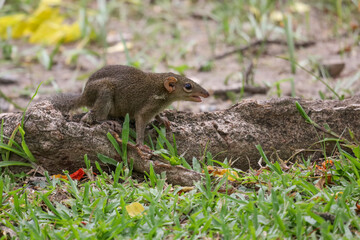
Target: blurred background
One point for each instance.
(236, 49)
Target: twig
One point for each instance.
(7, 81)
(222, 93)
(201, 16)
(249, 73)
(260, 42)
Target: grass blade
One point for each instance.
(290, 41)
(271, 166)
(14, 163)
(125, 138)
(317, 78)
(116, 176)
(11, 149)
(168, 144)
(107, 160)
(12, 137)
(25, 147)
(114, 143)
(32, 98)
(50, 206)
(303, 113)
(1, 191)
(2, 137)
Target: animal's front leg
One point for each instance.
(140, 125)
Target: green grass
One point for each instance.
(273, 204)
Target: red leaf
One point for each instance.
(78, 175)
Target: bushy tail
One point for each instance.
(66, 101)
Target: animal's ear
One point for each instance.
(169, 84)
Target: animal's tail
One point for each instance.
(66, 101)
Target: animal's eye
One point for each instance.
(188, 86)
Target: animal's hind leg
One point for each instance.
(101, 108)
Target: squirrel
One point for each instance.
(116, 90)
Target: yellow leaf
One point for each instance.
(19, 29)
(220, 172)
(45, 25)
(184, 190)
(134, 209)
(48, 33)
(9, 21)
(232, 173)
(41, 15)
(72, 32)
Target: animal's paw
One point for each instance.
(165, 121)
(88, 118)
(144, 148)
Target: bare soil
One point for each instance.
(268, 69)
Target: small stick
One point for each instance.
(260, 42)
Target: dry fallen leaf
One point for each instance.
(325, 165)
(337, 194)
(354, 26)
(134, 209)
(119, 47)
(320, 184)
(78, 175)
(184, 190)
(220, 172)
(59, 176)
(324, 179)
(345, 49)
(357, 206)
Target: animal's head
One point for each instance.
(183, 88)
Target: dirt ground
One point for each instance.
(27, 73)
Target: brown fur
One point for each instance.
(115, 90)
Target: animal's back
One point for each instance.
(116, 72)
(129, 87)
